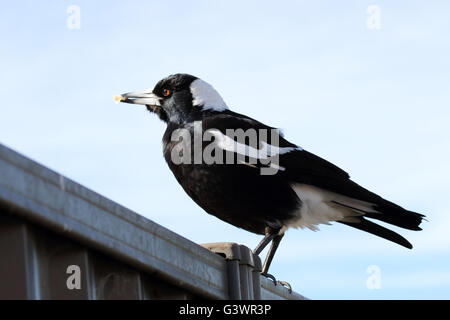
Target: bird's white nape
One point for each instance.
(203, 94)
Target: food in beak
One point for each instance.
(119, 98)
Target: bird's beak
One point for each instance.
(146, 97)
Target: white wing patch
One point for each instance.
(226, 143)
(321, 207)
(203, 94)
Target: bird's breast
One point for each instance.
(235, 193)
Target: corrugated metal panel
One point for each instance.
(49, 222)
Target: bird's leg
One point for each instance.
(270, 233)
(273, 248)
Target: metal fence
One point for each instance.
(60, 240)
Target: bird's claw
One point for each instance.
(278, 282)
(271, 277)
(286, 285)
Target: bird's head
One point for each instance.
(179, 98)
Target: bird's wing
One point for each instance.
(299, 166)
(305, 168)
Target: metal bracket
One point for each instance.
(243, 268)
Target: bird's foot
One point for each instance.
(278, 282)
(286, 285)
(271, 277)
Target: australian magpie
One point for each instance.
(247, 174)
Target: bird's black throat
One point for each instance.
(159, 111)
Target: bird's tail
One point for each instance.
(378, 230)
(385, 211)
(391, 213)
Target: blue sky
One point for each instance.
(374, 102)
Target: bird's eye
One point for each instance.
(166, 92)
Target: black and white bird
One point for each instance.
(303, 191)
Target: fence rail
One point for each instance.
(49, 223)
